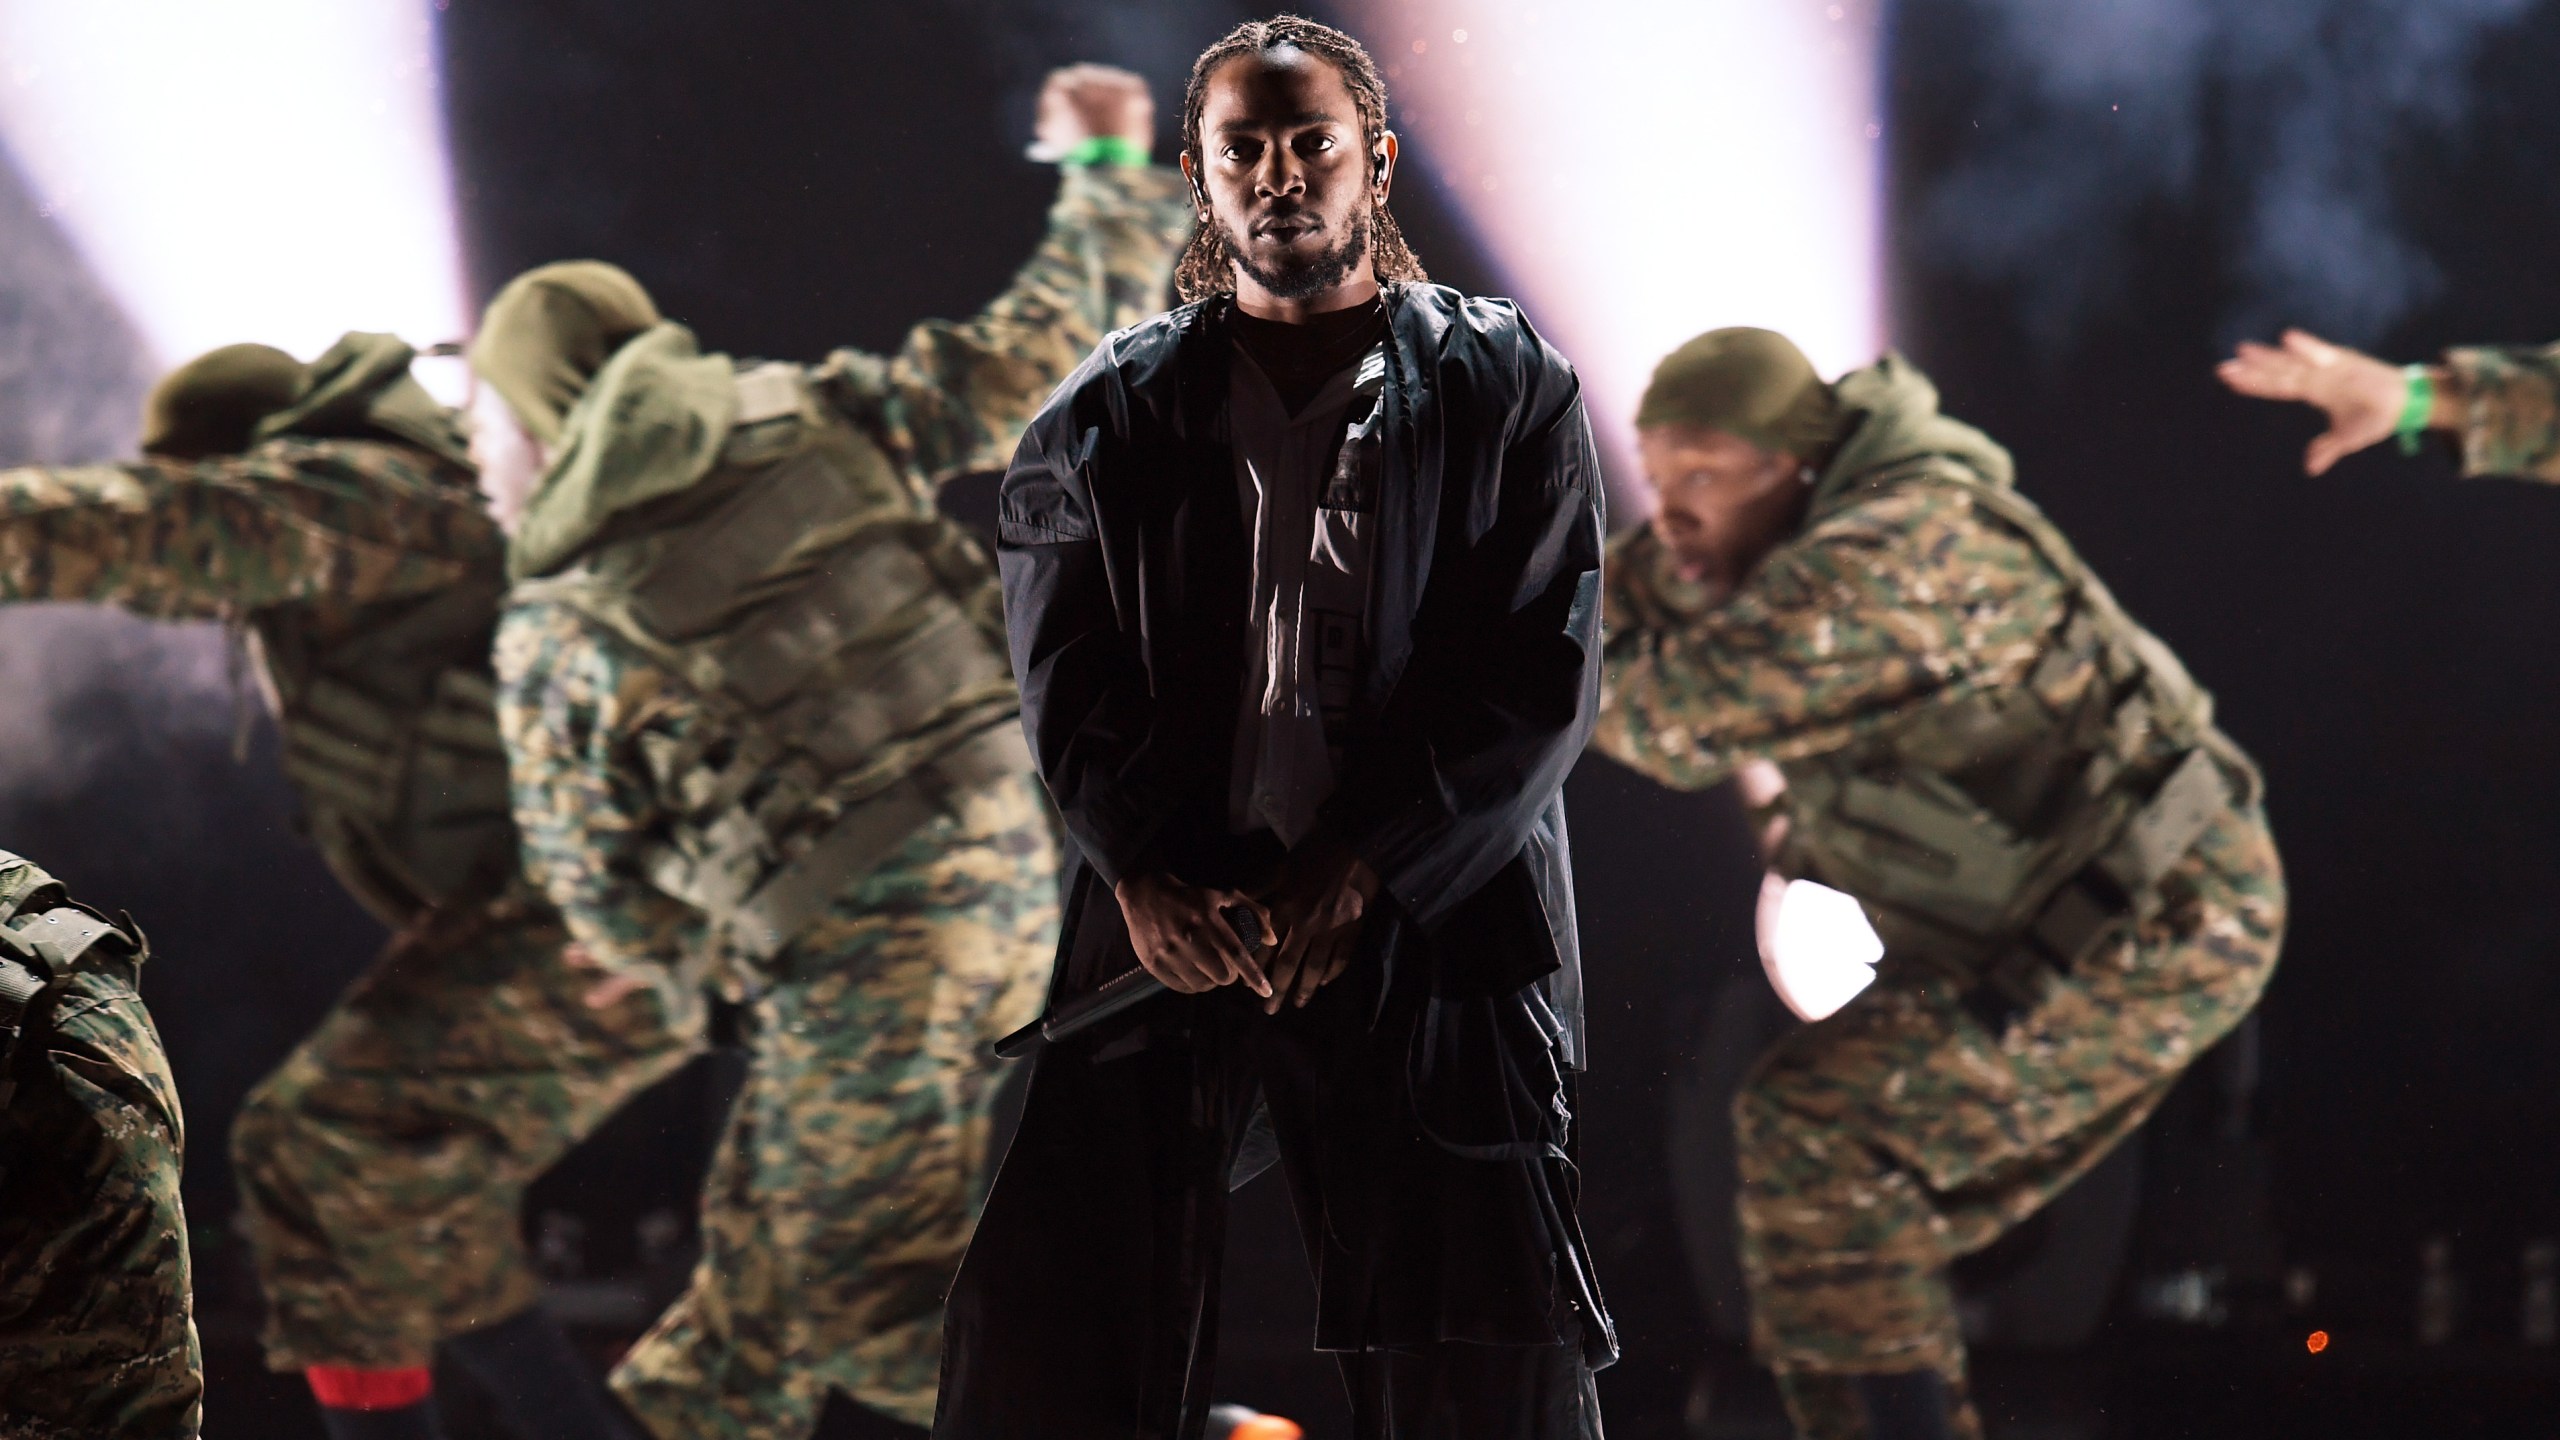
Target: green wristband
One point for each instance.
(1106, 150)
(2417, 409)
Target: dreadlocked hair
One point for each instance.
(1208, 266)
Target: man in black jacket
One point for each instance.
(1301, 584)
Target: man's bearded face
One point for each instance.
(1290, 181)
(1289, 272)
(1722, 503)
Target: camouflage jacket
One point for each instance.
(1978, 743)
(1882, 606)
(2510, 397)
(367, 572)
(1845, 631)
(584, 708)
(97, 1327)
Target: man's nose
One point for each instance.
(1281, 173)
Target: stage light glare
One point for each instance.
(2318, 1341)
(266, 170)
(1643, 170)
(1815, 944)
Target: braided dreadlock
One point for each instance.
(1208, 266)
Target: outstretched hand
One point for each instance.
(2361, 396)
(1315, 914)
(1182, 938)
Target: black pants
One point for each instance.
(1087, 1308)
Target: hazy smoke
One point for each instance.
(81, 688)
(72, 371)
(2097, 109)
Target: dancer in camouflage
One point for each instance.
(331, 511)
(2066, 860)
(764, 740)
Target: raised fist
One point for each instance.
(1080, 102)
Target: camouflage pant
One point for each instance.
(849, 1180)
(382, 1166)
(97, 1331)
(1881, 1144)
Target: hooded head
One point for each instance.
(549, 332)
(1752, 384)
(212, 405)
(1732, 429)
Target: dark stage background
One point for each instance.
(792, 177)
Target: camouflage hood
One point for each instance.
(1889, 417)
(651, 424)
(362, 387)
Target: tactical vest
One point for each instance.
(389, 718)
(43, 937)
(2013, 833)
(846, 636)
(389, 711)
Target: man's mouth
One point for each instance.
(1286, 228)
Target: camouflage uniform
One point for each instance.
(382, 1165)
(847, 1185)
(97, 1332)
(2510, 397)
(1930, 667)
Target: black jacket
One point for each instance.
(1126, 566)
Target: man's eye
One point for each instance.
(1238, 153)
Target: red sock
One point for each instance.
(344, 1387)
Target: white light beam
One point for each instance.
(266, 170)
(1643, 170)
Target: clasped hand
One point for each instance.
(1313, 915)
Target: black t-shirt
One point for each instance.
(1299, 359)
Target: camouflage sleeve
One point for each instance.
(573, 702)
(956, 396)
(354, 522)
(1902, 601)
(2510, 402)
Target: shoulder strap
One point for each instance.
(866, 836)
(38, 950)
(62, 935)
(23, 883)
